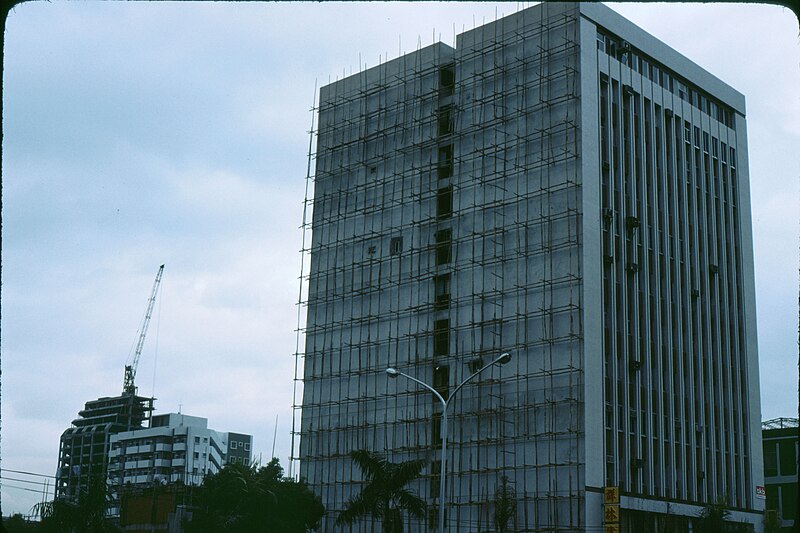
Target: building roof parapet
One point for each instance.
(780, 423)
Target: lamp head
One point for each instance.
(505, 358)
(392, 372)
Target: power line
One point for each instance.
(27, 473)
(22, 488)
(24, 480)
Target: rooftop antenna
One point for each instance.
(275, 436)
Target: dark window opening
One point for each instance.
(441, 339)
(436, 429)
(445, 165)
(396, 245)
(436, 470)
(444, 202)
(447, 80)
(443, 246)
(445, 121)
(788, 458)
(475, 365)
(441, 291)
(441, 380)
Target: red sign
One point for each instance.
(761, 492)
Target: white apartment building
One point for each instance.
(175, 448)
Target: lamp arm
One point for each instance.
(484, 367)
(418, 382)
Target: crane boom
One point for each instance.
(128, 386)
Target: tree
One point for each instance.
(86, 515)
(384, 496)
(16, 523)
(505, 505)
(714, 518)
(248, 499)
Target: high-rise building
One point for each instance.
(564, 187)
(84, 447)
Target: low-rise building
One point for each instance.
(239, 448)
(176, 448)
(780, 441)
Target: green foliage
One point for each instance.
(384, 496)
(250, 499)
(86, 515)
(505, 505)
(714, 518)
(16, 523)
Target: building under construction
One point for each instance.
(564, 187)
(84, 448)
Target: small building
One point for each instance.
(780, 440)
(175, 449)
(239, 448)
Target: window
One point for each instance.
(445, 122)
(435, 469)
(475, 365)
(234, 444)
(447, 80)
(197, 440)
(197, 455)
(788, 458)
(247, 446)
(789, 501)
(436, 429)
(441, 291)
(444, 202)
(770, 459)
(683, 91)
(441, 337)
(445, 162)
(443, 245)
(441, 380)
(396, 245)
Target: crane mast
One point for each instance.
(128, 386)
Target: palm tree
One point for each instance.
(384, 496)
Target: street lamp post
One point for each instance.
(393, 373)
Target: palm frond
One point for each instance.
(403, 473)
(372, 465)
(356, 508)
(412, 503)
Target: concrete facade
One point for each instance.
(564, 187)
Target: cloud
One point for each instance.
(137, 134)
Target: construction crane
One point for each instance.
(128, 386)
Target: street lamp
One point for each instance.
(394, 373)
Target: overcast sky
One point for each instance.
(142, 133)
